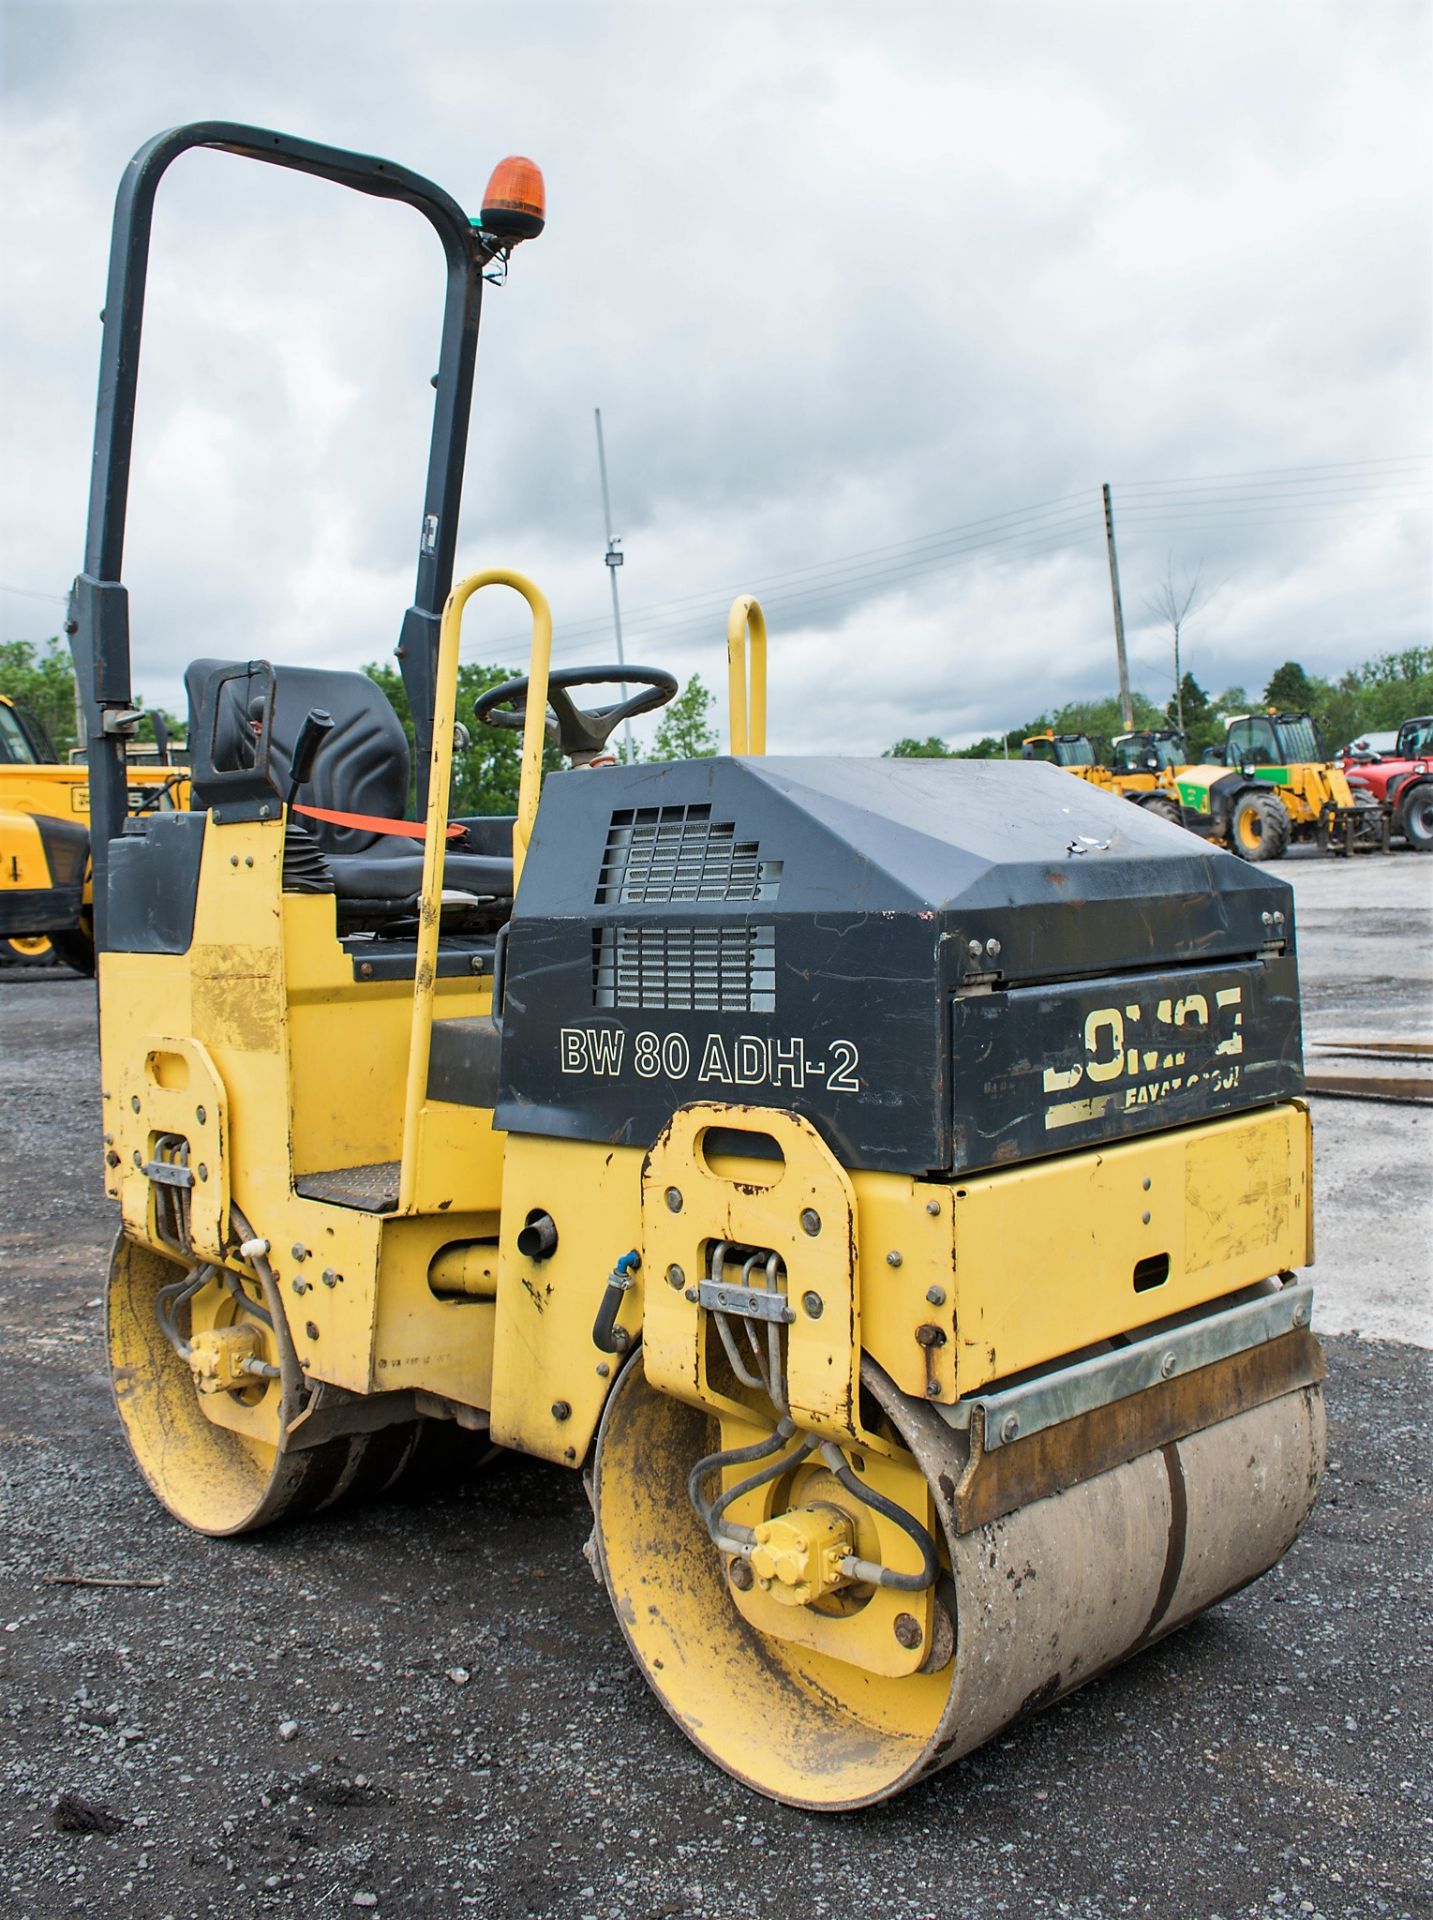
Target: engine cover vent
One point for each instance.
(661, 854)
(685, 969)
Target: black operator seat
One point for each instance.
(362, 767)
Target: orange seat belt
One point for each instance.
(371, 823)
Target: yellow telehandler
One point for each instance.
(46, 893)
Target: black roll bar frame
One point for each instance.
(98, 622)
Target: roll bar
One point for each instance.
(98, 622)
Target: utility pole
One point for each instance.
(1125, 707)
(614, 558)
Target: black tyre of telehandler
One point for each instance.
(1163, 808)
(27, 950)
(1259, 826)
(1415, 817)
(77, 949)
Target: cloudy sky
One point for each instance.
(872, 298)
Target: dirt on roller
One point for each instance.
(424, 1707)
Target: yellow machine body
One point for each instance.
(908, 1399)
(267, 1140)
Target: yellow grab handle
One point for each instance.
(746, 616)
(440, 780)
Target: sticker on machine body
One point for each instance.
(711, 1060)
(1042, 1069)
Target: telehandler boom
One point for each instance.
(883, 1179)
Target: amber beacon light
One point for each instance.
(515, 203)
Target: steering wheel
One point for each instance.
(581, 732)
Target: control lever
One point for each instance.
(317, 726)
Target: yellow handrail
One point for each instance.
(746, 615)
(440, 779)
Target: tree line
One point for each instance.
(1375, 697)
(1385, 690)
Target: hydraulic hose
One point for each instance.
(865, 1569)
(291, 1379)
(168, 1301)
(746, 1535)
(236, 1287)
(733, 1457)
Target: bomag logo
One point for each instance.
(1136, 1056)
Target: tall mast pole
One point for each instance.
(1125, 708)
(614, 558)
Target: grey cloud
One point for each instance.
(838, 278)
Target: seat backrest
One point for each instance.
(362, 767)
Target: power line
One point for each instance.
(1308, 492)
(1267, 473)
(1236, 513)
(1372, 491)
(1045, 511)
(797, 606)
(29, 593)
(840, 578)
(1055, 537)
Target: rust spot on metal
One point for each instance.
(1038, 1697)
(994, 1484)
(534, 1292)
(930, 1339)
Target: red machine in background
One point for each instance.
(1402, 782)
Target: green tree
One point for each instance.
(1291, 690)
(1392, 687)
(686, 731)
(487, 771)
(145, 730)
(1202, 726)
(995, 746)
(1100, 719)
(43, 681)
(931, 748)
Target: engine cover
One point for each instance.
(943, 965)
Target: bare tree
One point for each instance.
(1174, 604)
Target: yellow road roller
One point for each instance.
(883, 1180)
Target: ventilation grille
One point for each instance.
(685, 969)
(663, 854)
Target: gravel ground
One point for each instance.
(424, 1707)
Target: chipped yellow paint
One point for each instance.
(544, 1356)
(303, 1067)
(757, 1204)
(1047, 1256)
(238, 997)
